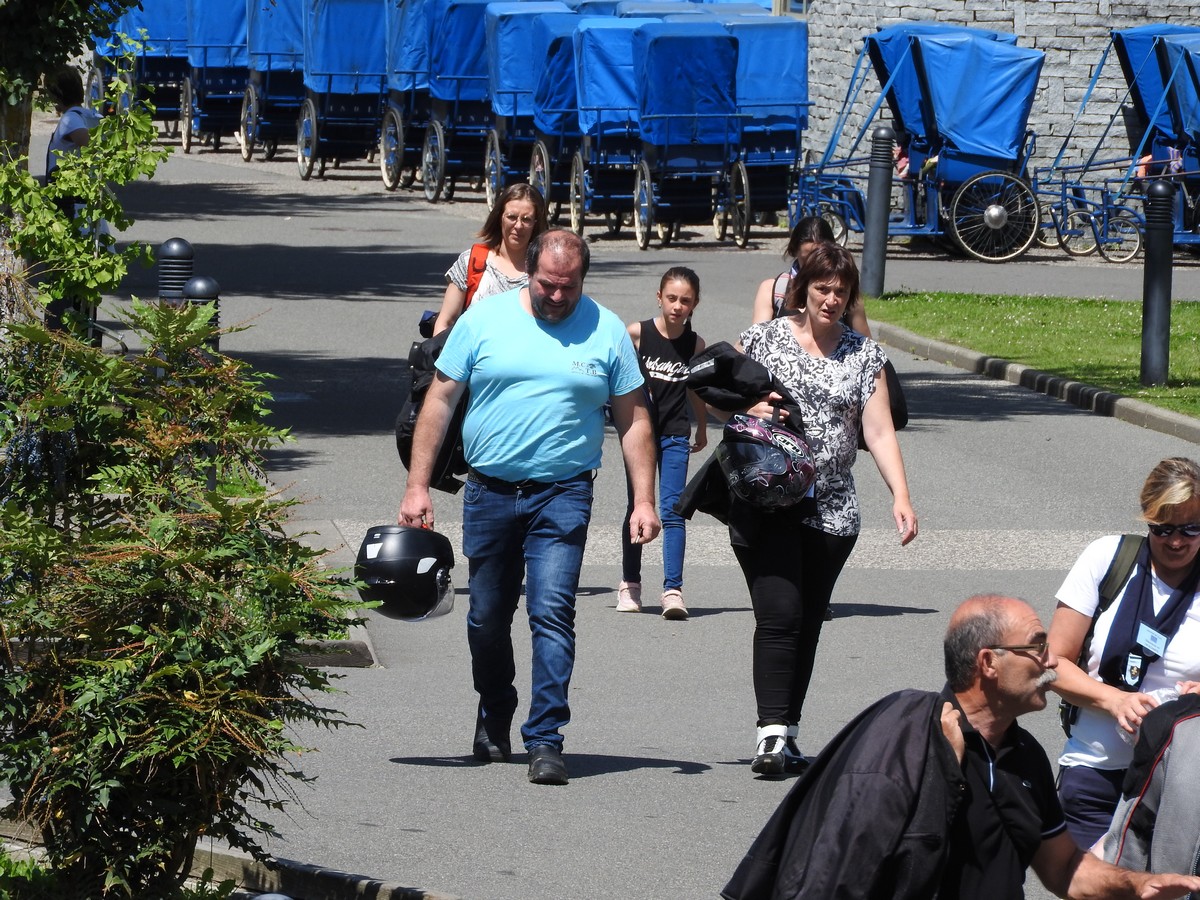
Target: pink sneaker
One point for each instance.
(629, 596)
(672, 605)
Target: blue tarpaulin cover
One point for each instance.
(891, 56)
(980, 91)
(512, 67)
(679, 100)
(772, 70)
(604, 80)
(407, 45)
(275, 34)
(345, 46)
(217, 33)
(457, 49)
(597, 7)
(650, 9)
(165, 24)
(1182, 99)
(1135, 50)
(555, 106)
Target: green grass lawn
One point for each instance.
(1097, 342)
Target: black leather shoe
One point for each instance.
(546, 765)
(489, 749)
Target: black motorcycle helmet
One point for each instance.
(407, 571)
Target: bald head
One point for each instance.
(980, 621)
(559, 243)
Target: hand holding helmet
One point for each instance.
(406, 570)
(765, 463)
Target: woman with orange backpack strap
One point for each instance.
(497, 263)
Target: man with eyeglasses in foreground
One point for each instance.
(941, 795)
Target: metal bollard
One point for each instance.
(1156, 283)
(174, 269)
(204, 289)
(879, 208)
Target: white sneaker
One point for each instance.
(769, 754)
(672, 605)
(629, 596)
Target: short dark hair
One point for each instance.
(970, 633)
(65, 87)
(826, 260)
(808, 230)
(562, 241)
(492, 231)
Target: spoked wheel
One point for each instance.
(306, 139)
(493, 169)
(93, 92)
(1049, 235)
(994, 216)
(578, 194)
(185, 116)
(391, 148)
(1122, 237)
(720, 222)
(739, 203)
(836, 222)
(270, 148)
(643, 205)
(128, 93)
(1077, 234)
(433, 162)
(539, 170)
(448, 189)
(249, 122)
(612, 224)
(667, 232)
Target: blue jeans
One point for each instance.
(673, 453)
(538, 532)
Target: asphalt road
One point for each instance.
(331, 276)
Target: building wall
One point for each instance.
(1072, 33)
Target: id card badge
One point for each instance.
(1152, 640)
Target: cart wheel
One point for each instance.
(129, 94)
(539, 171)
(391, 148)
(1049, 235)
(643, 205)
(93, 92)
(306, 139)
(433, 162)
(216, 141)
(1077, 235)
(1122, 237)
(667, 232)
(493, 169)
(270, 148)
(612, 224)
(836, 222)
(994, 216)
(739, 204)
(449, 188)
(578, 194)
(720, 223)
(185, 116)
(408, 175)
(321, 163)
(249, 122)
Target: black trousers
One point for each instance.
(791, 571)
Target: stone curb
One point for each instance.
(1085, 396)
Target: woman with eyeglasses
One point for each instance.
(1144, 645)
(497, 263)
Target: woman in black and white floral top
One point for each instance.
(792, 558)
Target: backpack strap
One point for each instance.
(779, 293)
(476, 266)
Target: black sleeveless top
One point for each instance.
(665, 366)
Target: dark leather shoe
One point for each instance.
(546, 765)
(487, 748)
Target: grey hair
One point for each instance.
(557, 240)
(971, 632)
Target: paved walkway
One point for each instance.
(1009, 483)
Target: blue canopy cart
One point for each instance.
(511, 82)
(960, 100)
(555, 109)
(345, 82)
(406, 115)
(275, 45)
(460, 115)
(212, 94)
(772, 98)
(156, 36)
(689, 126)
(604, 168)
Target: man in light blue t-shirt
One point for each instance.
(540, 362)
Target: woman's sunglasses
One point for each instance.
(1191, 529)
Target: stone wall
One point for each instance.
(1072, 33)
